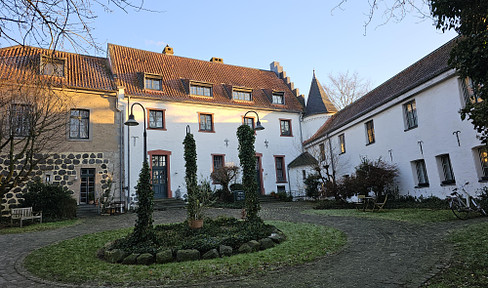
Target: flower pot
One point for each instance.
(196, 224)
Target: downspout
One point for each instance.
(129, 199)
(300, 119)
(331, 158)
(120, 109)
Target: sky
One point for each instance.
(301, 35)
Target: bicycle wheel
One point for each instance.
(478, 207)
(458, 207)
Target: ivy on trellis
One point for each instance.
(191, 177)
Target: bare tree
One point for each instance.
(49, 23)
(34, 113)
(392, 10)
(345, 88)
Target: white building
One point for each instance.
(210, 99)
(413, 121)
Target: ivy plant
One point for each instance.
(193, 207)
(247, 158)
(144, 230)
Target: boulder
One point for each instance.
(131, 259)
(245, 248)
(187, 255)
(211, 254)
(225, 250)
(266, 243)
(254, 245)
(115, 255)
(165, 256)
(145, 259)
(277, 237)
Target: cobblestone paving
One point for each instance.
(378, 253)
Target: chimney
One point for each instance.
(217, 60)
(168, 50)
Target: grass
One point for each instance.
(469, 265)
(40, 227)
(418, 216)
(74, 261)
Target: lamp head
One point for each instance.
(132, 121)
(258, 127)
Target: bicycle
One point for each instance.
(462, 207)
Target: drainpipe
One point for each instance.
(121, 110)
(300, 119)
(331, 158)
(128, 158)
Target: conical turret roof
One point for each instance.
(318, 102)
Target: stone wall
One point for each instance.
(64, 169)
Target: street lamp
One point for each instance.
(132, 122)
(258, 127)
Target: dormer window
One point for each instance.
(279, 98)
(52, 66)
(242, 94)
(200, 89)
(153, 82)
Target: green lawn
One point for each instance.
(412, 215)
(75, 261)
(468, 267)
(40, 227)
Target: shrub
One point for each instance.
(312, 183)
(223, 176)
(54, 201)
(482, 195)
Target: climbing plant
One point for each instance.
(247, 157)
(191, 177)
(144, 230)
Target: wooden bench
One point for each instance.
(22, 214)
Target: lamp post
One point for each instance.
(258, 127)
(133, 122)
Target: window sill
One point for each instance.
(367, 144)
(483, 179)
(411, 128)
(422, 185)
(281, 182)
(79, 139)
(206, 131)
(286, 135)
(448, 183)
(342, 153)
(160, 129)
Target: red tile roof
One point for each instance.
(129, 66)
(418, 73)
(20, 63)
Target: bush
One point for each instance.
(312, 183)
(482, 195)
(54, 201)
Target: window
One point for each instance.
(285, 127)
(447, 175)
(421, 171)
(322, 151)
(469, 94)
(279, 98)
(20, 117)
(153, 82)
(280, 169)
(369, 132)
(201, 89)
(206, 122)
(410, 112)
(249, 121)
(79, 124)
(52, 66)
(156, 119)
(218, 161)
(483, 153)
(304, 174)
(243, 95)
(342, 143)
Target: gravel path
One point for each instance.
(378, 253)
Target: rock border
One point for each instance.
(110, 255)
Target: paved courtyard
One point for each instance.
(378, 253)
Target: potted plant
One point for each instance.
(198, 201)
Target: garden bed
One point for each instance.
(177, 242)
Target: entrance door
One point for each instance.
(87, 189)
(160, 176)
(258, 175)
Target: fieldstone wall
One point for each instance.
(64, 169)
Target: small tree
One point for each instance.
(144, 230)
(372, 175)
(247, 157)
(191, 177)
(223, 176)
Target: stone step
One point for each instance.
(86, 210)
(170, 203)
